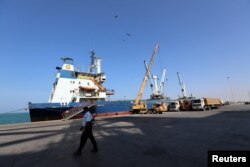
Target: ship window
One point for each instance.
(73, 82)
(73, 91)
(88, 83)
(79, 82)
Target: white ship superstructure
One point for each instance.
(72, 85)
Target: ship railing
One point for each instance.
(76, 110)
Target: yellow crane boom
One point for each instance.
(137, 104)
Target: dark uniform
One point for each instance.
(87, 133)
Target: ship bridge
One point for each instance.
(67, 60)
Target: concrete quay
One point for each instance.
(173, 139)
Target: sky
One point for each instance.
(207, 42)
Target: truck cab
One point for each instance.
(198, 104)
(159, 107)
(174, 106)
(185, 104)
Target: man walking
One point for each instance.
(86, 128)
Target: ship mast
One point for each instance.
(92, 62)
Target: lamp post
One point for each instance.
(231, 90)
(249, 95)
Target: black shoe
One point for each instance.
(94, 150)
(77, 153)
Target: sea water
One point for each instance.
(11, 118)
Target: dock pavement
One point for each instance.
(172, 139)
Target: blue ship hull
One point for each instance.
(53, 111)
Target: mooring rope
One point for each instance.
(14, 111)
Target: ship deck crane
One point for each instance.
(138, 105)
(157, 91)
(157, 94)
(163, 77)
(185, 102)
(152, 85)
(183, 88)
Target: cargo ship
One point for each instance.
(74, 89)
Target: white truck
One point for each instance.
(206, 103)
(174, 106)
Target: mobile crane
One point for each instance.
(138, 106)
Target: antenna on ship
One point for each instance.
(95, 63)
